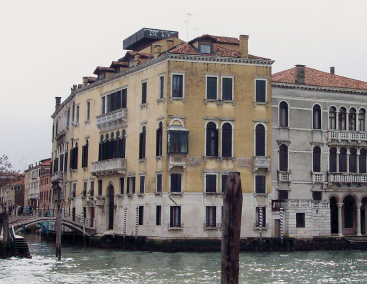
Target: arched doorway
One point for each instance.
(349, 216)
(334, 215)
(111, 206)
(363, 216)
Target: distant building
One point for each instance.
(146, 147)
(45, 188)
(33, 182)
(319, 145)
(12, 195)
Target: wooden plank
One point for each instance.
(231, 229)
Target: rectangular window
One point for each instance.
(103, 105)
(205, 48)
(175, 182)
(100, 187)
(227, 89)
(210, 183)
(141, 215)
(131, 185)
(85, 189)
(211, 216)
(123, 98)
(74, 190)
(122, 185)
(158, 216)
(159, 182)
(144, 93)
(260, 216)
(300, 220)
(211, 88)
(68, 118)
(77, 114)
(88, 110)
(161, 87)
(178, 142)
(91, 191)
(282, 194)
(317, 195)
(260, 184)
(142, 184)
(224, 181)
(175, 216)
(177, 86)
(73, 116)
(260, 91)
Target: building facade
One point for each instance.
(12, 196)
(45, 187)
(319, 145)
(145, 148)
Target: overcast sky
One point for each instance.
(47, 46)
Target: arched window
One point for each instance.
(121, 145)
(342, 119)
(316, 159)
(211, 140)
(332, 160)
(353, 160)
(142, 142)
(362, 161)
(118, 134)
(283, 158)
(100, 151)
(227, 140)
(316, 117)
(159, 140)
(343, 160)
(283, 114)
(332, 118)
(352, 119)
(362, 119)
(260, 140)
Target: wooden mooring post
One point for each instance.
(58, 209)
(231, 229)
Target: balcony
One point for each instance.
(58, 176)
(261, 162)
(317, 177)
(284, 177)
(354, 136)
(109, 167)
(298, 203)
(60, 134)
(114, 117)
(347, 178)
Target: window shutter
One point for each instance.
(133, 184)
(211, 88)
(260, 91)
(123, 98)
(179, 183)
(208, 140)
(227, 89)
(227, 140)
(140, 145)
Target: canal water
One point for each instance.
(91, 265)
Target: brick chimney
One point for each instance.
(136, 59)
(332, 70)
(244, 46)
(300, 74)
(58, 102)
(157, 49)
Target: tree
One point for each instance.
(5, 165)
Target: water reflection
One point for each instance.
(88, 265)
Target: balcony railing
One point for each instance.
(341, 135)
(58, 176)
(298, 203)
(347, 178)
(112, 117)
(317, 177)
(261, 162)
(177, 161)
(284, 176)
(60, 134)
(109, 167)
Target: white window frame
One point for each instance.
(221, 89)
(156, 182)
(87, 119)
(216, 182)
(206, 87)
(313, 148)
(312, 126)
(183, 86)
(221, 140)
(288, 111)
(266, 90)
(170, 183)
(140, 176)
(336, 118)
(266, 188)
(159, 86)
(266, 138)
(205, 142)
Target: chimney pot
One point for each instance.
(244, 46)
(332, 70)
(58, 102)
(300, 74)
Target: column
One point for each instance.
(358, 153)
(337, 159)
(359, 205)
(336, 120)
(348, 154)
(340, 223)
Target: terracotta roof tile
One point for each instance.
(101, 69)
(219, 39)
(184, 48)
(119, 63)
(319, 78)
(224, 52)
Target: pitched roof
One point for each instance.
(218, 39)
(184, 48)
(119, 63)
(100, 69)
(319, 78)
